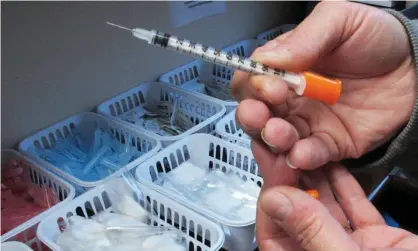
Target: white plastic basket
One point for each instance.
(25, 232)
(46, 138)
(14, 246)
(275, 32)
(229, 130)
(188, 75)
(205, 150)
(200, 233)
(202, 111)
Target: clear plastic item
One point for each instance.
(188, 163)
(228, 129)
(88, 149)
(193, 113)
(166, 119)
(153, 223)
(29, 194)
(224, 193)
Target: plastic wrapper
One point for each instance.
(224, 193)
(23, 197)
(216, 88)
(125, 227)
(162, 118)
(219, 90)
(90, 153)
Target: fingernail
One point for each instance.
(277, 206)
(271, 146)
(290, 164)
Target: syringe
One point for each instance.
(306, 84)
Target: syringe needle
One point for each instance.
(109, 23)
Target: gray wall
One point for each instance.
(60, 58)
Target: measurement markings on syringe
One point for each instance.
(178, 41)
(227, 59)
(192, 45)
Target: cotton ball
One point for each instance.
(114, 220)
(165, 242)
(129, 207)
(132, 238)
(88, 230)
(68, 242)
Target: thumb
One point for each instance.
(320, 33)
(306, 220)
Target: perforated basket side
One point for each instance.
(205, 151)
(275, 32)
(188, 73)
(228, 129)
(88, 121)
(25, 232)
(200, 233)
(203, 111)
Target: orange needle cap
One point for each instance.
(322, 88)
(313, 193)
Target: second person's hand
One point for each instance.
(368, 50)
(299, 222)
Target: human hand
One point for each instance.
(368, 50)
(299, 222)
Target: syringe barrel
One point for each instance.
(307, 84)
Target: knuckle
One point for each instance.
(308, 229)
